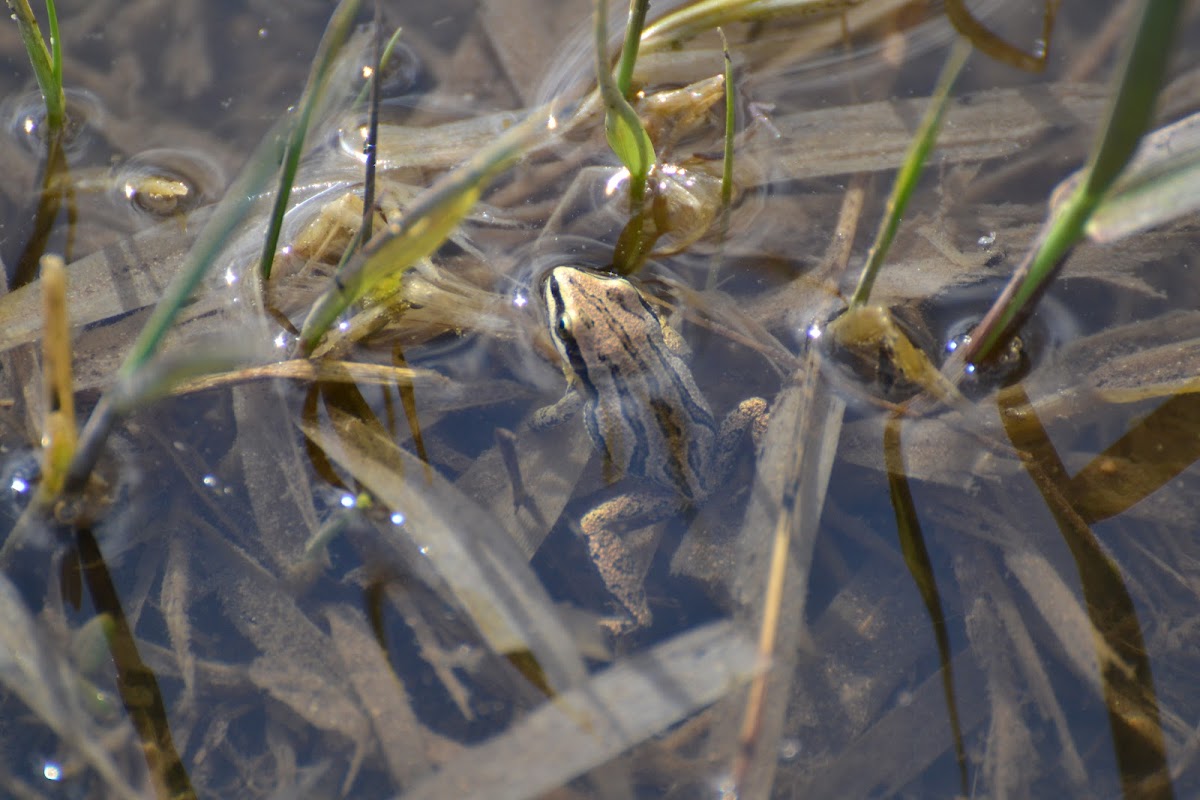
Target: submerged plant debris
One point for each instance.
(340, 541)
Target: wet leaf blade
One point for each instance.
(431, 218)
(482, 565)
(910, 172)
(623, 706)
(1158, 186)
(47, 66)
(40, 677)
(623, 129)
(337, 32)
(1129, 114)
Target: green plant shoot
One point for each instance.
(624, 131)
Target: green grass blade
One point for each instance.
(624, 131)
(383, 61)
(236, 205)
(1129, 115)
(55, 44)
(225, 219)
(334, 38)
(1156, 187)
(910, 172)
(1133, 106)
(47, 69)
(730, 125)
(629, 51)
(227, 216)
(371, 145)
(1148, 200)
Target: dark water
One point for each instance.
(322, 586)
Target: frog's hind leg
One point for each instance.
(622, 541)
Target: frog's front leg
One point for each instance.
(557, 413)
(752, 413)
(622, 545)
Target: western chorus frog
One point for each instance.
(643, 412)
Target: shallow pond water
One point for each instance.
(387, 571)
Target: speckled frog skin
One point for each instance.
(643, 411)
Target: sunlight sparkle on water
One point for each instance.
(230, 276)
(814, 331)
(788, 749)
(397, 518)
(51, 771)
(281, 340)
(347, 500)
(520, 300)
(614, 183)
(19, 485)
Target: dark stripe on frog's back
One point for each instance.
(672, 423)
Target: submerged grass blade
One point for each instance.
(910, 172)
(225, 219)
(334, 38)
(990, 44)
(1133, 712)
(1146, 457)
(40, 675)
(626, 704)
(692, 19)
(480, 563)
(136, 682)
(1129, 114)
(920, 566)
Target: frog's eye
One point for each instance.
(563, 325)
